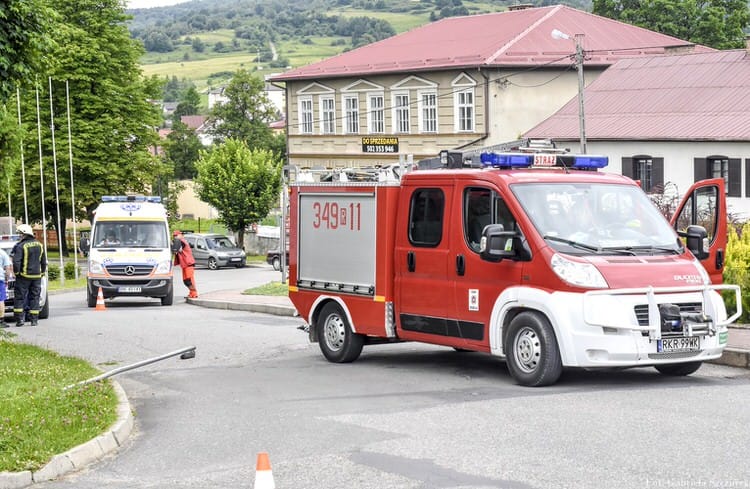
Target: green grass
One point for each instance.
(37, 418)
(271, 288)
(69, 283)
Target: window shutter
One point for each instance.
(627, 166)
(657, 172)
(735, 178)
(700, 169)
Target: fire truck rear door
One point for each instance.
(423, 278)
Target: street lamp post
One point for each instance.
(579, 56)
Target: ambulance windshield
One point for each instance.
(130, 234)
(596, 218)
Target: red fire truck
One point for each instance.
(537, 258)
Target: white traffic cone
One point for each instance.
(263, 474)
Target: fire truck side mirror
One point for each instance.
(497, 243)
(697, 241)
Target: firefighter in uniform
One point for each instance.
(29, 264)
(183, 256)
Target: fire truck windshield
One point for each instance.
(583, 218)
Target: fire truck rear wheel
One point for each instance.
(678, 369)
(533, 356)
(338, 343)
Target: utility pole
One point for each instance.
(579, 67)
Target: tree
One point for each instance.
(716, 23)
(242, 184)
(246, 113)
(182, 149)
(24, 25)
(112, 120)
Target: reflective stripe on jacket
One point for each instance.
(28, 258)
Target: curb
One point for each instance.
(78, 457)
(248, 307)
(733, 357)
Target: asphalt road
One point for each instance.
(402, 416)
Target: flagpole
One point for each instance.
(57, 186)
(41, 168)
(23, 168)
(72, 191)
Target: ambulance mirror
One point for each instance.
(697, 241)
(497, 243)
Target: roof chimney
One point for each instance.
(520, 6)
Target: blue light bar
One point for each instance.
(506, 160)
(132, 198)
(590, 162)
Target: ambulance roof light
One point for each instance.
(132, 198)
(531, 160)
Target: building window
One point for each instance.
(719, 168)
(428, 112)
(642, 170)
(465, 110)
(306, 115)
(375, 114)
(351, 114)
(401, 113)
(327, 115)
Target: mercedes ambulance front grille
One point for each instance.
(641, 313)
(129, 270)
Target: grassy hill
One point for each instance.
(274, 35)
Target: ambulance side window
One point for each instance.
(426, 217)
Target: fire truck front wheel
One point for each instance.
(338, 343)
(678, 369)
(533, 356)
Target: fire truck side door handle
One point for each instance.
(411, 261)
(460, 265)
(719, 259)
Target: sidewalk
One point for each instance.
(737, 353)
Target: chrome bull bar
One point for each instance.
(601, 308)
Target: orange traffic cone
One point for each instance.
(100, 301)
(263, 474)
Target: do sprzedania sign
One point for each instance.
(379, 145)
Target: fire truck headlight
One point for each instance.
(703, 273)
(163, 267)
(96, 267)
(577, 273)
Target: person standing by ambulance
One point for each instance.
(183, 256)
(29, 264)
(6, 274)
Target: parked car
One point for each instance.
(273, 257)
(215, 251)
(7, 246)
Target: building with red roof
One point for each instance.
(460, 82)
(668, 120)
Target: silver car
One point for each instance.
(215, 251)
(7, 246)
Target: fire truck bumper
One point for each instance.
(624, 328)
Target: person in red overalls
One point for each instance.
(183, 256)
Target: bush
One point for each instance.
(70, 270)
(53, 272)
(736, 269)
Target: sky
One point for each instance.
(152, 3)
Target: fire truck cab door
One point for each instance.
(478, 283)
(705, 204)
(423, 271)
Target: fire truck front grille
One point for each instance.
(641, 312)
(129, 270)
(673, 355)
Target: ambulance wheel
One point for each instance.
(44, 312)
(168, 299)
(678, 369)
(90, 298)
(277, 264)
(212, 263)
(337, 341)
(533, 356)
